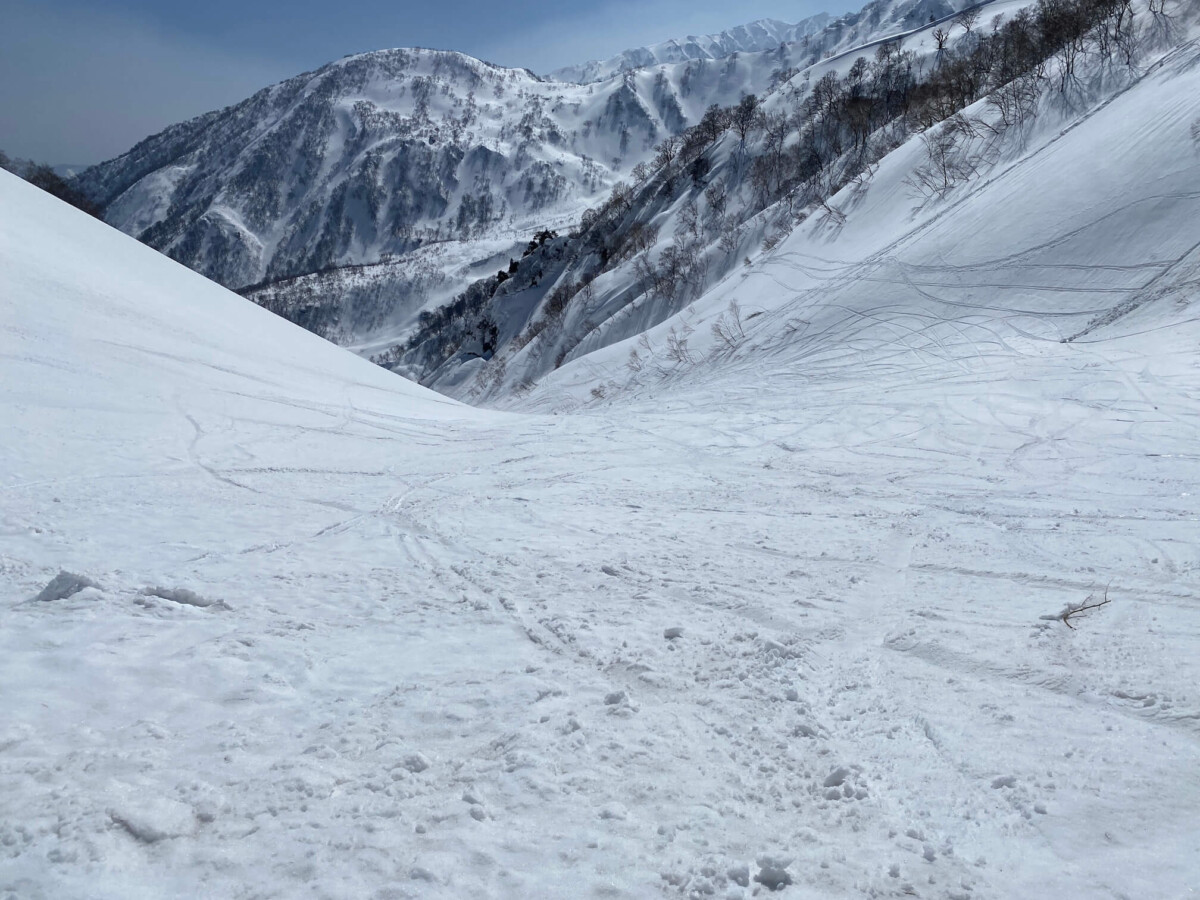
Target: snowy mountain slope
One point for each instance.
(375, 154)
(1082, 230)
(385, 152)
(764, 34)
(377, 157)
(439, 666)
(705, 204)
(616, 285)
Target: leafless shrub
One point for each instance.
(642, 237)
(949, 160)
(688, 223)
(588, 294)
(728, 328)
(677, 345)
(664, 153)
(1016, 101)
(730, 238)
(793, 326)
(1075, 611)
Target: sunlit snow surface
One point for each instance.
(433, 659)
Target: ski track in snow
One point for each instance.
(459, 684)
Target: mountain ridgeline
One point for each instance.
(755, 37)
(385, 201)
(353, 197)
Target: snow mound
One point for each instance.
(153, 819)
(184, 597)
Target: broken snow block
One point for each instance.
(63, 585)
(773, 874)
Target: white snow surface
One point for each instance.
(781, 617)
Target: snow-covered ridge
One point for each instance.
(764, 34)
(382, 153)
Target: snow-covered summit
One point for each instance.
(382, 153)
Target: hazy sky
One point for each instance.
(84, 80)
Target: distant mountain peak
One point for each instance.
(753, 37)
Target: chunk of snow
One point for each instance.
(416, 762)
(184, 597)
(837, 777)
(155, 819)
(64, 585)
(772, 872)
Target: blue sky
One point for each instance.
(84, 81)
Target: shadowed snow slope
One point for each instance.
(784, 615)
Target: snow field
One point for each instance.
(772, 621)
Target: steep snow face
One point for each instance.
(788, 618)
(1085, 233)
(83, 303)
(764, 34)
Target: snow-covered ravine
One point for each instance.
(434, 657)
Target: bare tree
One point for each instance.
(666, 151)
(717, 197)
(1016, 100)
(728, 328)
(730, 238)
(621, 197)
(967, 19)
(677, 345)
(744, 117)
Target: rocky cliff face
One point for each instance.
(373, 155)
